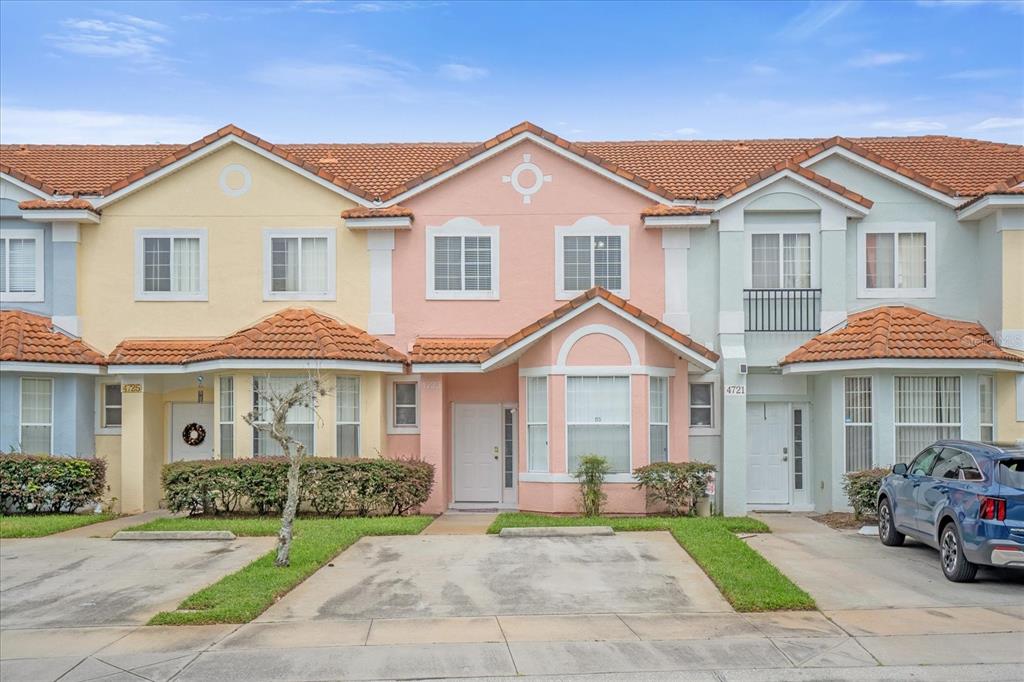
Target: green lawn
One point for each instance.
(38, 525)
(245, 594)
(743, 576)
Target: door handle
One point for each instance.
(785, 458)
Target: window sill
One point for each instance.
(171, 297)
(705, 431)
(896, 293)
(462, 296)
(298, 296)
(403, 430)
(109, 431)
(569, 295)
(22, 298)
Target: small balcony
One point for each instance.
(782, 310)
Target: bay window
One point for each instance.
(858, 411)
(896, 260)
(537, 424)
(299, 265)
(598, 420)
(300, 420)
(21, 265)
(170, 265)
(927, 410)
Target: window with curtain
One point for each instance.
(21, 265)
(36, 416)
(598, 420)
(347, 402)
(537, 424)
(171, 265)
(701, 407)
(462, 263)
(226, 417)
(405, 406)
(111, 407)
(858, 419)
(896, 260)
(658, 418)
(780, 261)
(986, 406)
(927, 410)
(299, 265)
(300, 421)
(591, 260)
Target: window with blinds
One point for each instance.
(462, 263)
(21, 265)
(592, 260)
(300, 421)
(36, 416)
(859, 425)
(598, 420)
(927, 410)
(537, 424)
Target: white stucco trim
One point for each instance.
(381, 245)
(617, 334)
(590, 226)
(156, 176)
(65, 231)
(675, 244)
(370, 224)
(446, 368)
(512, 141)
(99, 428)
(950, 364)
(856, 209)
(898, 178)
(49, 368)
(25, 187)
(463, 227)
(656, 222)
(71, 324)
(213, 365)
(61, 215)
(993, 202)
(536, 477)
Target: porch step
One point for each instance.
(556, 532)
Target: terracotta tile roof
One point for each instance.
(449, 349)
(1010, 186)
(807, 173)
(26, 337)
(56, 205)
(155, 351)
(669, 210)
(395, 211)
(901, 332)
(677, 169)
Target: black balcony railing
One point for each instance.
(782, 310)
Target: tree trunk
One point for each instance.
(291, 505)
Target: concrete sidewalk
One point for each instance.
(106, 529)
(788, 646)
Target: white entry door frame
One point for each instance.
(477, 439)
(778, 448)
(183, 415)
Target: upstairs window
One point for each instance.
(170, 265)
(462, 260)
(21, 265)
(780, 261)
(299, 265)
(897, 261)
(592, 253)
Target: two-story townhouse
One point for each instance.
(787, 309)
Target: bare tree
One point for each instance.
(270, 414)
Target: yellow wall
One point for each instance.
(1013, 279)
(108, 448)
(191, 198)
(1007, 426)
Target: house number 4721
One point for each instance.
(735, 389)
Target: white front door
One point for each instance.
(767, 453)
(477, 452)
(184, 443)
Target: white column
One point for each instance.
(381, 245)
(676, 244)
(833, 266)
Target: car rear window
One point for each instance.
(1011, 472)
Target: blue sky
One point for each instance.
(373, 71)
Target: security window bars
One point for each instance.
(537, 424)
(598, 420)
(347, 399)
(299, 421)
(658, 418)
(857, 416)
(226, 417)
(927, 410)
(36, 416)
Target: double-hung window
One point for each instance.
(986, 407)
(592, 253)
(537, 424)
(299, 265)
(170, 265)
(462, 260)
(780, 260)
(300, 420)
(927, 410)
(857, 417)
(403, 406)
(226, 417)
(896, 260)
(702, 405)
(36, 416)
(658, 418)
(21, 265)
(347, 398)
(598, 420)
(111, 406)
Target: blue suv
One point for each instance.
(965, 499)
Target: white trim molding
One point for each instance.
(49, 368)
(381, 246)
(948, 364)
(675, 243)
(855, 210)
(992, 203)
(330, 234)
(143, 233)
(371, 224)
(590, 226)
(39, 294)
(657, 222)
(1010, 338)
(76, 215)
(463, 227)
(605, 330)
(895, 229)
(24, 186)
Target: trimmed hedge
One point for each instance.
(44, 483)
(332, 487)
(861, 488)
(678, 484)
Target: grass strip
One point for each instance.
(38, 525)
(745, 578)
(245, 594)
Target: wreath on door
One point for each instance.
(194, 434)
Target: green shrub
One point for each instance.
(861, 488)
(43, 483)
(590, 473)
(678, 484)
(331, 487)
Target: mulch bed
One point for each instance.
(843, 520)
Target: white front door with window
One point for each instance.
(184, 445)
(477, 452)
(767, 453)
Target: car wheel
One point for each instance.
(887, 532)
(955, 565)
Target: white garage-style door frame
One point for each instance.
(778, 456)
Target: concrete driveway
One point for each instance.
(844, 570)
(450, 575)
(64, 582)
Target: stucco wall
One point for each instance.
(73, 397)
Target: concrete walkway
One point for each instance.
(106, 529)
(461, 523)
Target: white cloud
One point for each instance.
(368, 7)
(815, 18)
(686, 132)
(75, 126)
(137, 40)
(909, 126)
(999, 123)
(979, 74)
(871, 59)
(462, 72)
(762, 70)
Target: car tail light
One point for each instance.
(992, 509)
